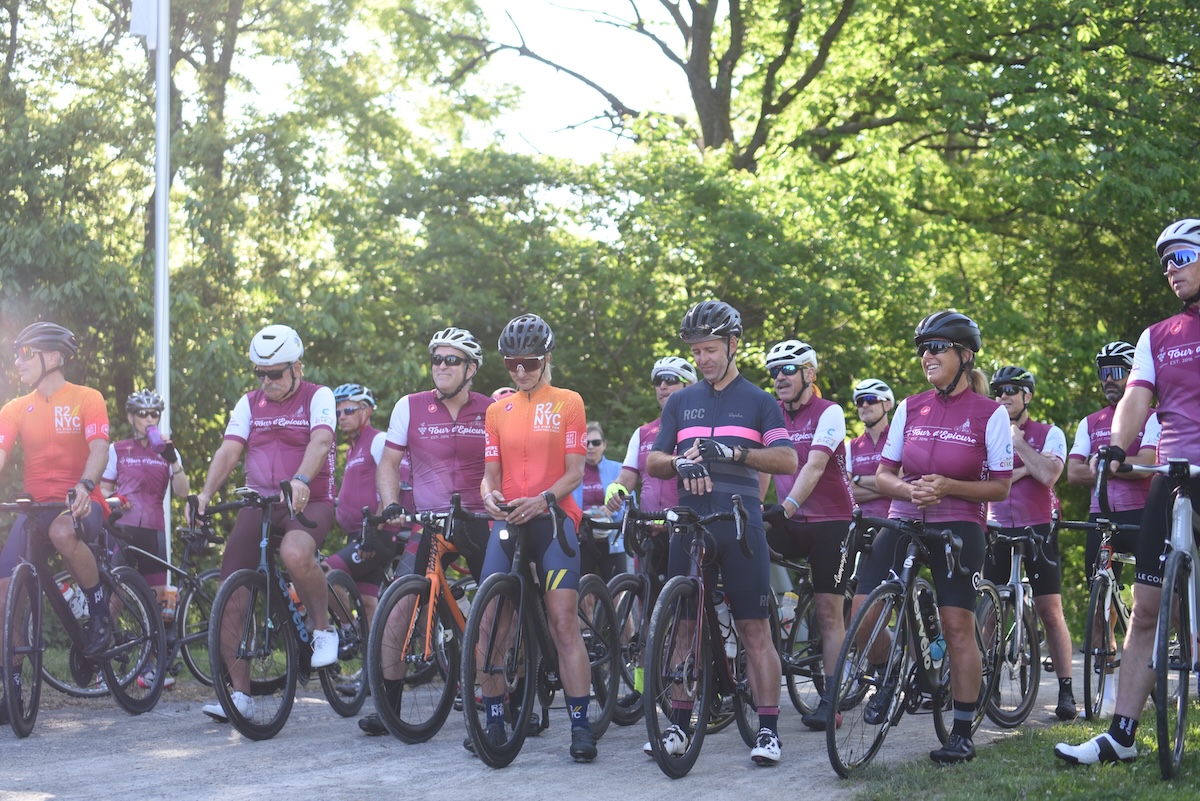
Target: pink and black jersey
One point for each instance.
(446, 454)
(864, 461)
(1167, 362)
(276, 435)
(1094, 432)
(143, 477)
(358, 479)
(965, 437)
(819, 425)
(1029, 501)
(655, 494)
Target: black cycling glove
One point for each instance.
(714, 451)
(688, 469)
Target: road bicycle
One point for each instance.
(260, 622)
(137, 627)
(508, 638)
(874, 696)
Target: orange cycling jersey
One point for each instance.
(55, 433)
(531, 437)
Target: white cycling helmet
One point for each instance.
(460, 339)
(276, 344)
(1183, 232)
(674, 365)
(1115, 354)
(792, 351)
(873, 386)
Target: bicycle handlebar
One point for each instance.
(555, 512)
(686, 516)
(1026, 534)
(252, 499)
(1176, 470)
(920, 533)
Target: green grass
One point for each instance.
(1024, 766)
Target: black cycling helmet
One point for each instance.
(1011, 374)
(952, 327)
(710, 319)
(48, 336)
(527, 335)
(1115, 354)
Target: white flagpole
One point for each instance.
(162, 191)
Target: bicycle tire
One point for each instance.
(676, 675)
(22, 645)
(745, 708)
(64, 667)
(345, 681)
(598, 626)
(265, 648)
(511, 653)
(192, 613)
(131, 665)
(628, 593)
(802, 656)
(1173, 660)
(1020, 668)
(398, 646)
(1098, 655)
(943, 702)
(881, 619)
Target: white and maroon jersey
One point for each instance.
(593, 487)
(276, 435)
(143, 477)
(1029, 501)
(358, 479)
(446, 454)
(656, 494)
(1094, 432)
(819, 425)
(1167, 362)
(966, 437)
(864, 461)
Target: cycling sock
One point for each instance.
(1065, 685)
(95, 600)
(495, 709)
(768, 718)
(578, 707)
(1123, 729)
(681, 716)
(964, 718)
(393, 690)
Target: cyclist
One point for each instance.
(1039, 451)
(141, 471)
(1166, 364)
(947, 454)
(1127, 495)
(63, 430)
(813, 515)
(502, 392)
(534, 454)
(285, 431)
(716, 436)
(598, 473)
(441, 433)
(874, 400)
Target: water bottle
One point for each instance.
(933, 628)
(726, 621)
(787, 612)
(296, 600)
(74, 599)
(169, 597)
(156, 441)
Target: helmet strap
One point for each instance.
(47, 371)
(466, 380)
(728, 360)
(1190, 300)
(963, 366)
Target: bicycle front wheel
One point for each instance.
(1020, 666)
(191, 623)
(598, 625)
(64, 667)
(1173, 661)
(1101, 644)
(679, 678)
(802, 656)
(254, 650)
(413, 660)
(22, 665)
(134, 666)
(628, 593)
(345, 681)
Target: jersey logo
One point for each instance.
(570, 439)
(66, 420)
(1177, 327)
(29, 409)
(693, 414)
(924, 410)
(547, 416)
(433, 407)
(508, 407)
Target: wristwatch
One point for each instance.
(88, 484)
(303, 479)
(857, 479)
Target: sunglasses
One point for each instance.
(595, 443)
(1113, 373)
(274, 375)
(438, 359)
(669, 380)
(1179, 259)
(785, 369)
(148, 413)
(530, 363)
(868, 400)
(935, 346)
(1008, 390)
(26, 353)
(348, 411)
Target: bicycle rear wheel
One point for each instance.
(802, 656)
(1020, 666)
(345, 681)
(413, 661)
(628, 593)
(679, 677)
(1101, 645)
(191, 623)
(598, 625)
(257, 648)
(131, 666)
(745, 708)
(64, 667)
(1173, 661)
(22, 654)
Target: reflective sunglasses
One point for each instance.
(935, 346)
(155, 413)
(1113, 373)
(595, 443)
(1007, 389)
(26, 353)
(868, 400)
(348, 411)
(530, 363)
(274, 375)
(450, 361)
(669, 380)
(1179, 259)
(786, 369)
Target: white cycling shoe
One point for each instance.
(1101, 748)
(674, 743)
(325, 648)
(243, 703)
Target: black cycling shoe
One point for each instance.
(1066, 705)
(957, 749)
(493, 733)
(372, 725)
(583, 744)
(97, 636)
(876, 710)
(816, 720)
(534, 729)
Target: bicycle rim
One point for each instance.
(1019, 670)
(802, 657)
(598, 625)
(191, 624)
(628, 595)
(345, 681)
(131, 666)
(64, 667)
(1173, 659)
(22, 635)
(1097, 650)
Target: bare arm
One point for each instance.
(319, 444)
(660, 464)
(809, 475)
(219, 469)
(92, 469)
(1078, 472)
(387, 476)
(1045, 469)
(1132, 409)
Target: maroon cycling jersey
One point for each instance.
(276, 435)
(593, 487)
(446, 454)
(358, 479)
(819, 425)
(655, 494)
(1167, 362)
(864, 461)
(1094, 432)
(966, 437)
(1029, 501)
(142, 477)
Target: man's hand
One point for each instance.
(713, 451)
(393, 513)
